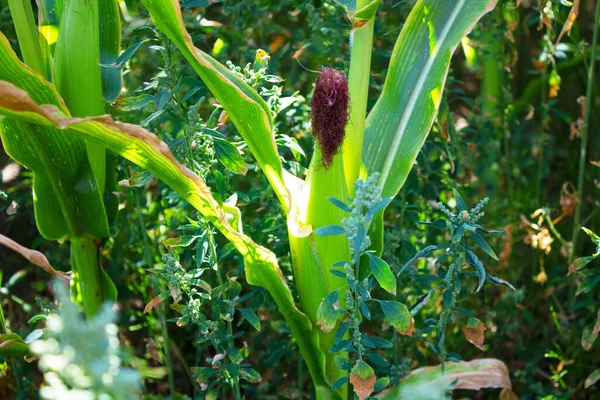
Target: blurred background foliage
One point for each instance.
(508, 129)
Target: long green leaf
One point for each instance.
(150, 153)
(77, 70)
(66, 196)
(22, 15)
(110, 47)
(246, 109)
(402, 117)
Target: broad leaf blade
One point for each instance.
(149, 152)
(246, 109)
(471, 375)
(67, 197)
(400, 120)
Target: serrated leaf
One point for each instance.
(383, 273)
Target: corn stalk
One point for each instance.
(386, 142)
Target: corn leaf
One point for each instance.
(110, 46)
(246, 109)
(66, 195)
(403, 115)
(471, 375)
(150, 153)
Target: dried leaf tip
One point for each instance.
(329, 112)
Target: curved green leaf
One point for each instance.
(246, 109)
(150, 153)
(400, 120)
(66, 195)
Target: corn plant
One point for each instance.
(72, 193)
(53, 124)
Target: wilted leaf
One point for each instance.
(470, 375)
(139, 179)
(588, 337)
(592, 378)
(34, 257)
(156, 301)
(568, 199)
(579, 263)
(363, 380)
(569, 22)
(328, 312)
(181, 241)
(475, 332)
(133, 102)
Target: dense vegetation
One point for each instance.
(426, 197)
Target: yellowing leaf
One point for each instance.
(363, 380)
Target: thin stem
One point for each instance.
(213, 251)
(584, 137)
(161, 307)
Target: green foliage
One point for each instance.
(398, 284)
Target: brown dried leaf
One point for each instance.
(156, 301)
(570, 21)
(568, 199)
(508, 394)
(472, 375)
(545, 19)
(595, 163)
(363, 387)
(475, 332)
(34, 257)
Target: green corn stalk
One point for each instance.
(67, 168)
(393, 134)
